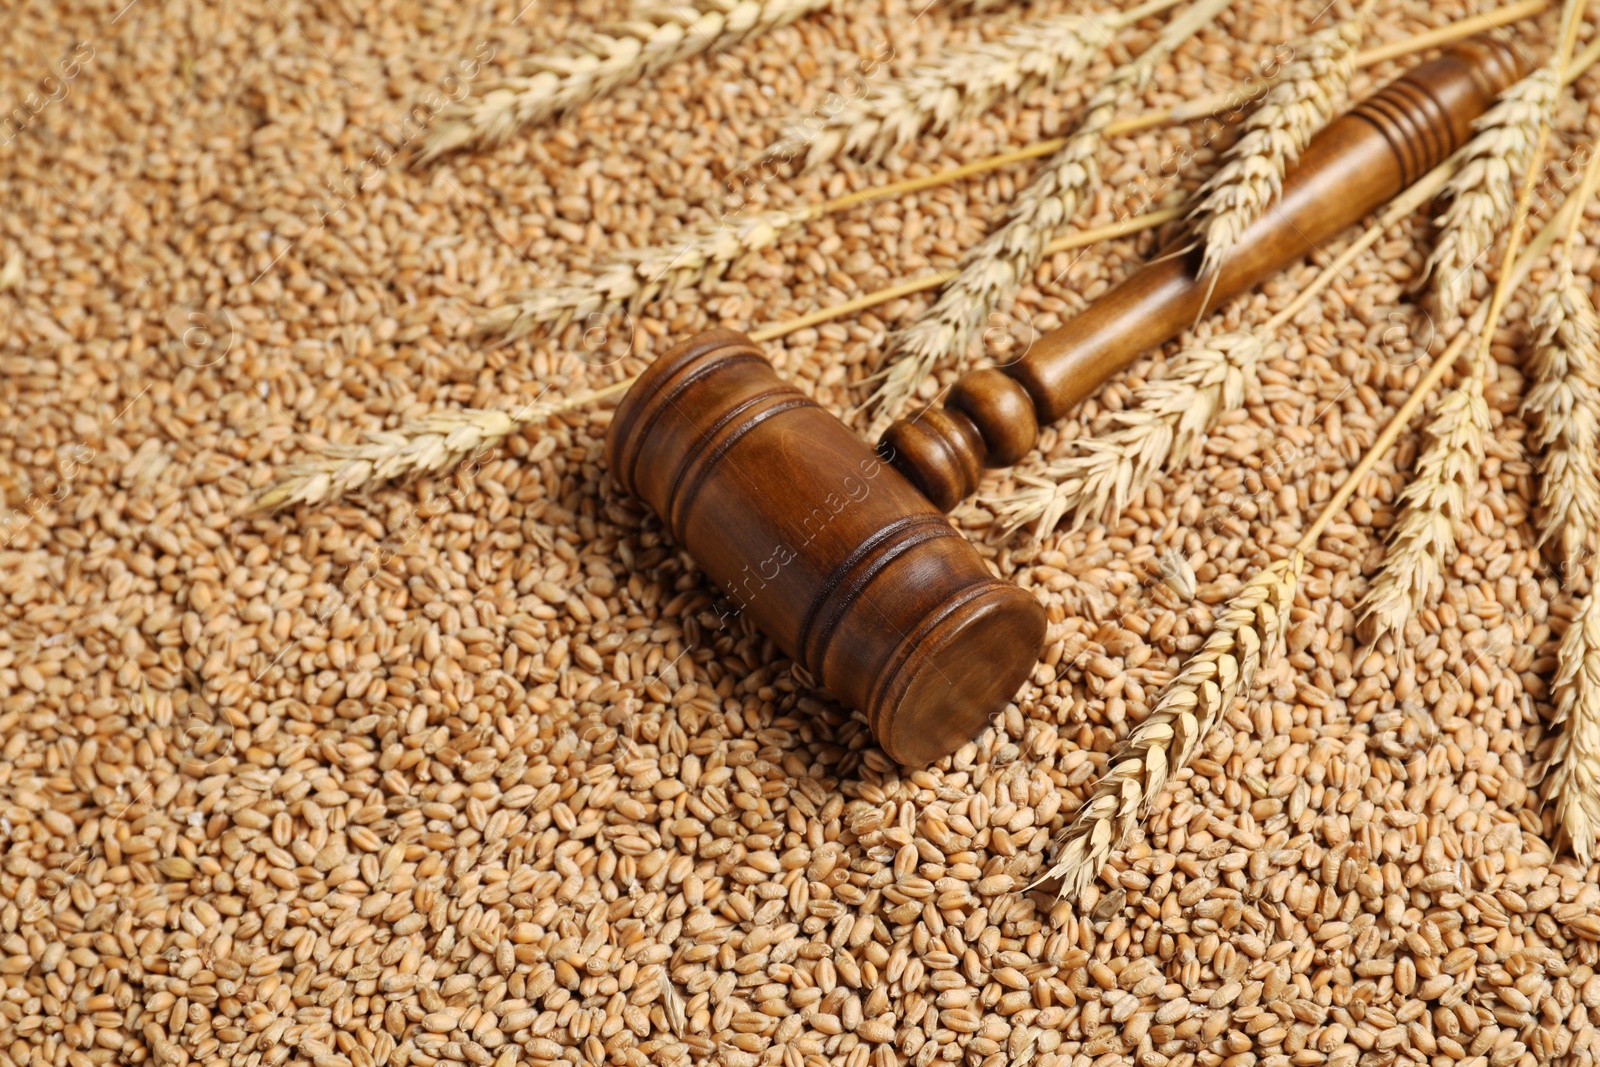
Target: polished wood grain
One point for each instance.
(841, 554)
(1357, 163)
(824, 546)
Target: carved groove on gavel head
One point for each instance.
(842, 556)
(824, 545)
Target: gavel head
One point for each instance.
(824, 545)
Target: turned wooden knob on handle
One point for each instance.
(988, 420)
(826, 547)
(1353, 166)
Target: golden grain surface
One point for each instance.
(466, 772)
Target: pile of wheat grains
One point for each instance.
(466, 772)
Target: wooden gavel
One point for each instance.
(843, 555)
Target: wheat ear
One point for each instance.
(1482, 194)
(436, 443)
(1248, 632)
(637, 276)
(1436, 498)
(1565, 401)
(1448, 469)
(1563, 405)
(996, 267)
(600, 63)
(964, 82)
(1161, 424)
(1563, 408)
(1573, 778)
(1313, 85)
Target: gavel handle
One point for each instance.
(1356, 164)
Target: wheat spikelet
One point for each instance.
(1163, 420)
(578, 71)
(636, 277)
(1246, 634)
(964, 82)
(1251, 175)
(1573, 780)
(1563, 407)
(996, 267)
(1436, 498)
(1482, 193)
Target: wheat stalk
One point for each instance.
(1247, 633)
(996, 267)
(599, 63)
(1251, 176)
(1481, 194)
(964, 82)
(1563, 407)
(1163, 421)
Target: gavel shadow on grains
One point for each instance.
(842, 555)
